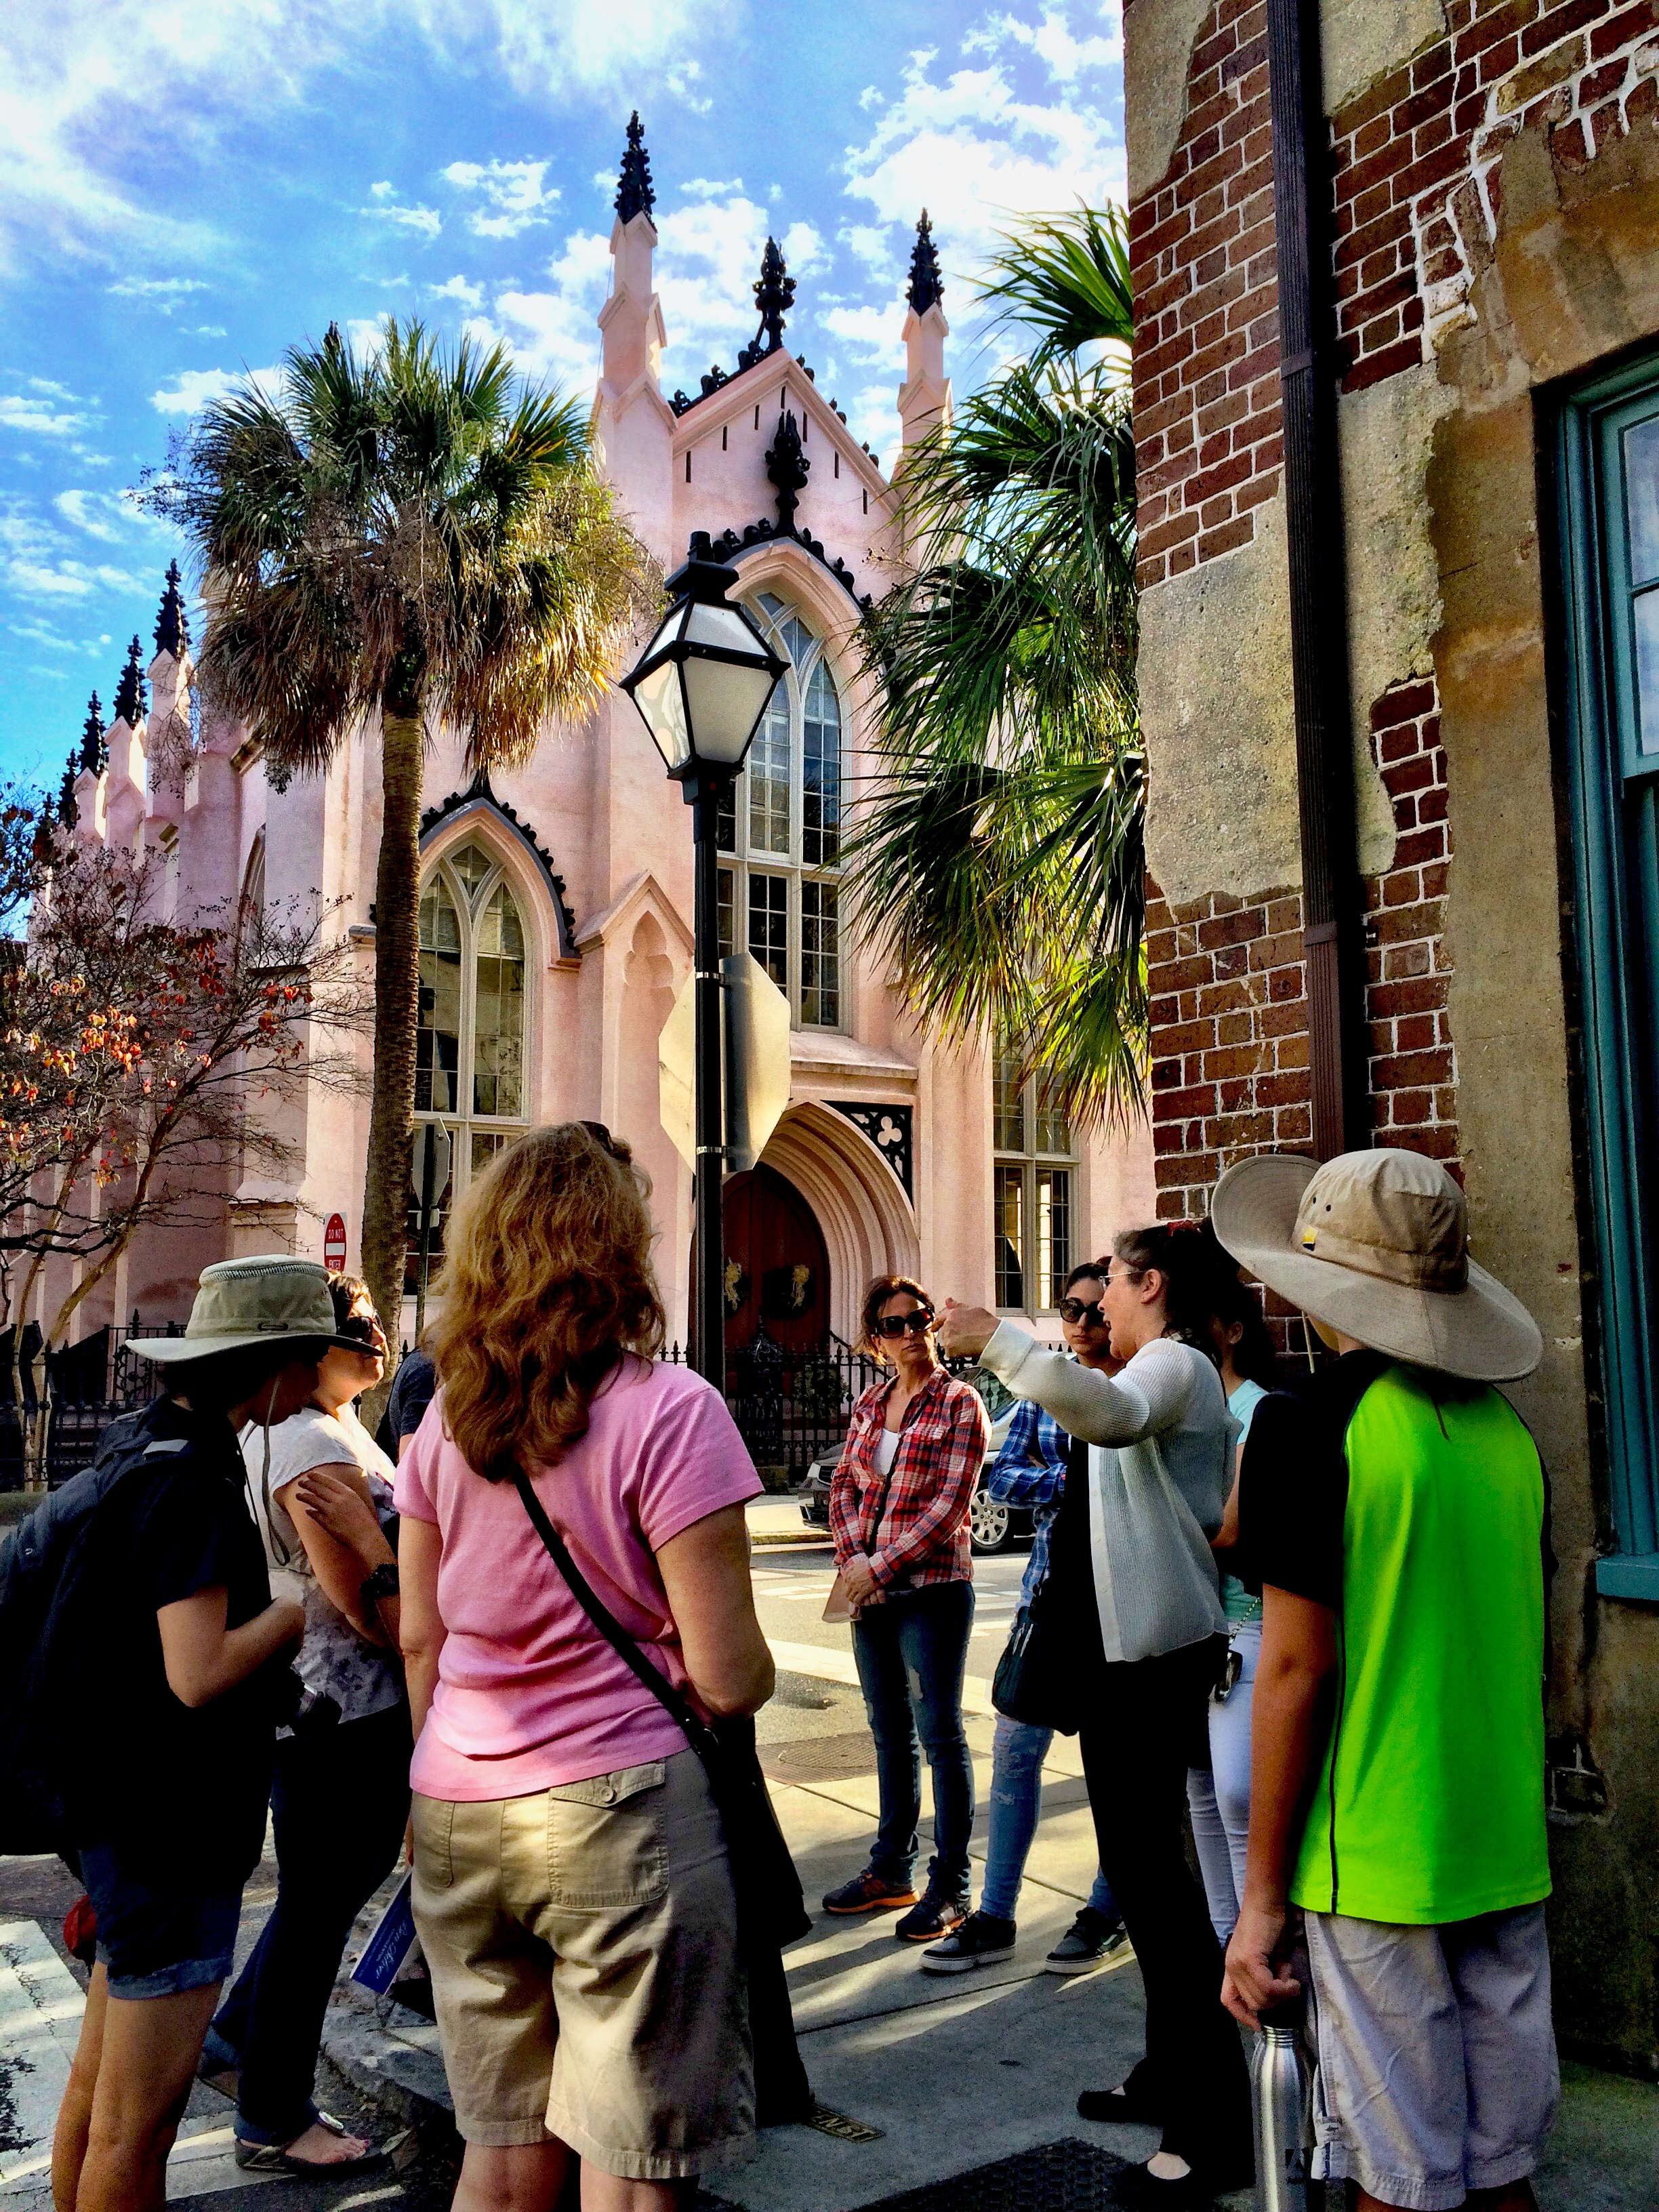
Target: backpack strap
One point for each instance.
(626, 1648)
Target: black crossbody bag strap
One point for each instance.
(698, 1732)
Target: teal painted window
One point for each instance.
(1609, 456)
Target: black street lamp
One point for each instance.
(701, 687)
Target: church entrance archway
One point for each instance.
(777, 1269)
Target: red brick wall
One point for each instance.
(1208, 425)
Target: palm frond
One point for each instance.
(1066, 278)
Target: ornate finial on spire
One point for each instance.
(130, 694)
(173, 623)
(926, 286)
(775, 296)
(68, 812)
(634, 194)
(789, 468)
(94, 753)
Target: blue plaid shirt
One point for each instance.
(1029, 1471)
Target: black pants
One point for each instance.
(339, 1805)
(1143, 1717)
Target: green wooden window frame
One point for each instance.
(1609, 518)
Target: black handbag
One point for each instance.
(1035, 1680)
(771, 1907)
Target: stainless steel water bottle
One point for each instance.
(1281, 2098)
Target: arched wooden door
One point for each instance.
(777, 1270)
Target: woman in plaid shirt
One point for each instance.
(898, 1513)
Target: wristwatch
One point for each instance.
(383, 1582)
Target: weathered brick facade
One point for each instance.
(1230, 1016)
(1207, 422)
(1417, 155)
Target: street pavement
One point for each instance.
(941, 2074)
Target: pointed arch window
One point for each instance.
(470, 1050)
(779, 894)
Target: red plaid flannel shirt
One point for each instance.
(912, 1525)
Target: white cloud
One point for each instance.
(38, 416)
(706, 188)
(875, 333)
(872, 416)
(366, 338)
(804, 249)
(163, 292)
(425, 220)
(206, 331)
(514, 194)
(469, 294)
(73, 138)
(1053, 41)
(197, 387)
(101, 514)
(967, 146)
(555, 333)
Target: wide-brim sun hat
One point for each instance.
(1375, 1245)
(272, 1299)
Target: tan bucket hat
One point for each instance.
(1375, 1245)
(274, 1298)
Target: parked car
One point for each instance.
(992, 1527)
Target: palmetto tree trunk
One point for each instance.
(396, 998)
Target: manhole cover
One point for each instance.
(1060, 2177)
(819, 1758)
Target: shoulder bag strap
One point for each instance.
(697, 1730)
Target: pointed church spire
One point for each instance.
(634, 194)
(173, 623)
(94, 753)
(926, 286)
(68, 812)
(129, 696)
(774, 295)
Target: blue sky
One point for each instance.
(186, 189)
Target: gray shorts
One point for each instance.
(1437, 2072)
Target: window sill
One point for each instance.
(1629, 1575)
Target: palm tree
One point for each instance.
(1000, 864)
(398, 540)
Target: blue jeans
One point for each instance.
(1017, 1752)
(911, 1651)
(339, 1807)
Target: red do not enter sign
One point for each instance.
(334, 1242)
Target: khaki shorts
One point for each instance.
(584, 1965)
(1437, 2054)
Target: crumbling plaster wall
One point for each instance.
(1573, 280)
(1215, 650)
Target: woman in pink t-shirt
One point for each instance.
(572, 1889)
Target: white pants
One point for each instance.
(1218, 1796)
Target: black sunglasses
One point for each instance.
(917, 1323)
(1074, 1310)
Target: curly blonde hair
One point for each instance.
(546, 1281)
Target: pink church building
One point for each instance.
(556, 901)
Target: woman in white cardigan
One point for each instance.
(1135, 1586)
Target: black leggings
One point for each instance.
(340, 1806)
(1143, 1717)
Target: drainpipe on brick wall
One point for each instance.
(1331, 912)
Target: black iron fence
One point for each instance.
(791, 1406)
(86, 1385)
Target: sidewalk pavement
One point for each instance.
(959, 2071)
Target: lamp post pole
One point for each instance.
(700, 686)
(702, 792)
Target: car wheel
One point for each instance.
(988, 1522)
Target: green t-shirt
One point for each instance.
(1413, 1504)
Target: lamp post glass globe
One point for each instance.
(702, 682)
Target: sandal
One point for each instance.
(274, 2158)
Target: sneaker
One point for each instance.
(870, 1891)
(1090, 1938)
(937, 1914)
(981, 1939)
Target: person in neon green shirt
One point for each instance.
(1396, 1515)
